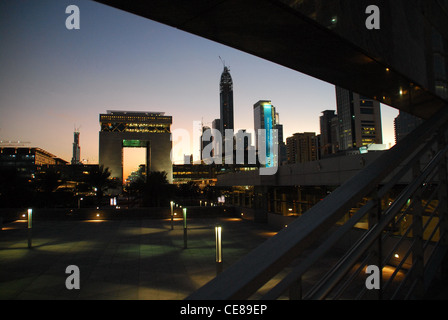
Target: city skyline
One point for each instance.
(54, 80)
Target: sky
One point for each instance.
(53, 80)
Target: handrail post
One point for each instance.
(295, 290)
(376, 251)
(417, 234)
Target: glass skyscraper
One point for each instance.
(266, 118)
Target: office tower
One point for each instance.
(404, 123)
(202, 143)
(216, 124)
(328, 138)
(266, 118)
(302, 147)
(281, 142)
(76, 149)
(359, 120)
(226, 101)
(134, 129)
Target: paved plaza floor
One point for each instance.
(141, 259)
(119, 259)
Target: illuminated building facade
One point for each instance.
(266, 118)
(359, 120)
(129, 129)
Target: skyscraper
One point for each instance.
(302, 147)
(359, 120)
(226, 101)
(76, 148)
(266, 118)
(328, 133)
(404, 123)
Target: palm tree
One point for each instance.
(99, 178)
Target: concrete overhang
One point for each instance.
(327, 40)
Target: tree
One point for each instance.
(47, 181)
(99, 178)
(157, 190)
(15, 189)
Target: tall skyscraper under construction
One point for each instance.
(226, 101)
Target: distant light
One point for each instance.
(397, 255)
(97, 214)
(387, 69)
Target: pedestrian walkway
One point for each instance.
(120, 259)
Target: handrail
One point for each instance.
(246, 276)
(360, 247)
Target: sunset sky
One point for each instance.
(53, 80)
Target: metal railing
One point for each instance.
(324, 253)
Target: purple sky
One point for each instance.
(53, 79)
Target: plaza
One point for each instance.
(140, 259)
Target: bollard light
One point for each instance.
(30, 226)
(218, 230)
(184, 210)
(30, 218)
(218, 242)
(171, 205)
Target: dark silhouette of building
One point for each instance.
(328, 132)
(76, 159)
(404, 123)
(226, 101)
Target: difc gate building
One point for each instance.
(131, 129)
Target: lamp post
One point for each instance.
(185, 227)
(172, 214)
(30, 226)
(218, 245)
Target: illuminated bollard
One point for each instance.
(172, 214)
(185, 227)
(218, 244)
(30, 227)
